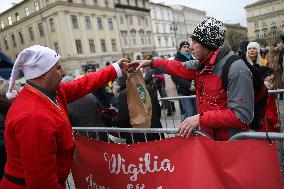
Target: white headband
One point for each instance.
(35, 61)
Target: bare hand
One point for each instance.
(188, 125)
(122, 63)
(137, 64)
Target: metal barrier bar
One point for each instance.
(160, 131)
(258, 135)
(165, 120)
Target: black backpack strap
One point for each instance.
(226, 68)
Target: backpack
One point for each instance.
(260, 90)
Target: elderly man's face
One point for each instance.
(198, 50)
(54, 76)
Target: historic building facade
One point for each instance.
(135, 30)
(163, 30)
(265, 20)
(185, 20)
(82, 31)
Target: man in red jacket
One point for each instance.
(221, 113)
(38, 133)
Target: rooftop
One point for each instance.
(260, 2)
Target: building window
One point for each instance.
(155, 14)
(52, 25)
(139, 20)
(36, 6)
(10, 20)
(74, 21)
(257, 34)
(134, 40)
(92, 46)
(95, 3)
(146, 21)
(13, 40)
(113, 44)
(17, 16)
(27, 12)
(121, 20)
(79, 46)
(130, 19)
(88, 22)
(142, 39)
(149, 39)
(56, 47)
(162, 15)
(110, 24)
(273, 21)
(128, 2)
(103, 45)
(264, 22)
(31, 33)
(256, 24)
(144, 4)
(70, 1)
(2, 24)
(159, 41)
(265, 33)
(274, 32)
(157, 27)
(83, 2)
(106, 4)
(173, 41)
(125, 40)
(40, 29)
(166, 41)
(21, 37)
(164, 27)
(100, 23)
(47, 2)
(136, 3)
(6, 44)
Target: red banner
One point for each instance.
(176, 163)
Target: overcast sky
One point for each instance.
(229, 11)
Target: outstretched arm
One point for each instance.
(171, 67)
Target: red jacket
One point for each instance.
(218, 119)
(38, 134)
(271, 115)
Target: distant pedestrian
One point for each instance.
(185, 87)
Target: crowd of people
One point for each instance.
(231, 96)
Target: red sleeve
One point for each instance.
(176, 68)
(37, 148)
(221, 118)
(87, 84)
(271, 111)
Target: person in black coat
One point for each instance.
(185, 87)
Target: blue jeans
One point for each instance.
(188, 105)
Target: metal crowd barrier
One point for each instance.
(270, 137)
(174, 121)
(116, 134)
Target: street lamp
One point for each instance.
(174, 29)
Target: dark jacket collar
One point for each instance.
(49, 94)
